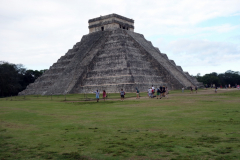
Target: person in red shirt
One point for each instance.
(104, 95)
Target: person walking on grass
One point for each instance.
(161, 91)
(216, 89)
(158, 93)
(97, 95)
(150, 93)
(191, 89)
(104, 94)
(182, 89)
(153, 91)
(196, 89)
(164, 91)
(137, 92)
(122, 93)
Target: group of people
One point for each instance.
(162, 91)
(98, 93)
(122, 93)
(191, 89)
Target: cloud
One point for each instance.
(202, 56)
(36, 33)
(203, 47)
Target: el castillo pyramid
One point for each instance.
(112, 56)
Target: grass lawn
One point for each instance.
(184, 126)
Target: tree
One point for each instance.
(15, 77)
(229, 77)
(9, 78)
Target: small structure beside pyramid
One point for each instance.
(112, 56)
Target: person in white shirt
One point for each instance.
(153, 91)
(150, 92)
(97, 94)
(153, 87)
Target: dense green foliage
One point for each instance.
(15, 78)
(229, 77)
(184, 126)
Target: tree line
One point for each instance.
(222, 79)
(14, 78)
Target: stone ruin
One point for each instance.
(112, 56)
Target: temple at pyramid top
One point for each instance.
(110, 22)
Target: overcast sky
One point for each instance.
(202, 36)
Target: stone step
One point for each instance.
(120, 53)
(118, 44)
(121, 63)
(121, 71)
(119, 49)
(121, 40)
(121, 79)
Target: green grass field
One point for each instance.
(184, 126)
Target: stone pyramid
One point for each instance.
(112, 56)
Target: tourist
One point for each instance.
(104, 95)
(158, 93)
(164, 91)
(191, 88)
(122, 93)
(196, 89)
(153, 91)
(161, 91)
(216, 89)
(137, 92)
(97, 95)
(150, 93)
(182, 89)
